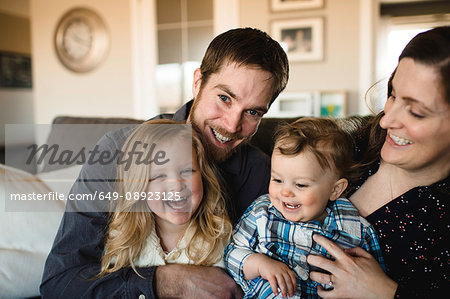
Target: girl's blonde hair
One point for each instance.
(131, 221)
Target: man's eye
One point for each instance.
(253, 112)
(224, 98)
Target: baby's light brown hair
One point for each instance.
(323, 137)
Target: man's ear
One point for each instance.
(338, 188)
(197, 82)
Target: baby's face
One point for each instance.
(299, 188)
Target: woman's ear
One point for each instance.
(338, 188)
(197, 82)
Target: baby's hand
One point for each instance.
(279, 275)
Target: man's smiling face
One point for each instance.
(227, 109)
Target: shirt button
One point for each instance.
(141, 296)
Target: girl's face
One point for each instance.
(417, 119)
(175, 189)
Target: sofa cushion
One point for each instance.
(79, 133)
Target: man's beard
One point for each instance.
(217, 154)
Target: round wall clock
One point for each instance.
(81, 40)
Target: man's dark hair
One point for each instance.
(248, 47)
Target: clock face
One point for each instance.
(77, 40)
(81, 40)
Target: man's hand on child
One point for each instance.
(188, 281)
(279, 275)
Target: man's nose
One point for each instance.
(232, 121)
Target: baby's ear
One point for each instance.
(338, 188)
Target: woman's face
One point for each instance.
(417, 119)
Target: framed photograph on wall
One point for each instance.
(292, 104)
(278, 5)
(15, 70)
(301, 39)
(333, 103)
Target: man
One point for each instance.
(242, 73)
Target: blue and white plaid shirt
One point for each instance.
(263, 229)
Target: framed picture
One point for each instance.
(333, 103)
(278, 5)
(301, 39)
(292, 104)
(15, 70)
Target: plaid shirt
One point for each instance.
(263, 229)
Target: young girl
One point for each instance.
(169, 206)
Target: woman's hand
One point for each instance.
(354, 273)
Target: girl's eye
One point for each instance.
(224, 98)
(157, 177)
(188, 171)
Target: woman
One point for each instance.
(405, 189)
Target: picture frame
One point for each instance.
(280, 5)
(333, 103)
(301, 39)
(15, 70)
(293, 104)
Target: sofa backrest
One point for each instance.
(263, 138)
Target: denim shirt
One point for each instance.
(78, 247)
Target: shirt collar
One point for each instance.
(335, 219)
(340, 219)
(182, 114)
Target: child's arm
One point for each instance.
(243, 244)
(277, 273)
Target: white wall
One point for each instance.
(339, 69)
(109, 90)
(113, 88)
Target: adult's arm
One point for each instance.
(187, 281)
(354, 273)
(78, 247)
(75, 259)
